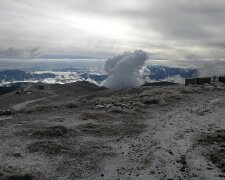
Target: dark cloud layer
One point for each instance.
(30, 53)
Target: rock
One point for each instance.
(100, 106)
(5, 113)
(103, 106)
(18, 92)
(84, 101)
(108, 106)
(8, 112)
(1, 113)
(41, 87)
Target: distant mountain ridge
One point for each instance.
(157, 73)
(18, 75)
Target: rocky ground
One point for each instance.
(81, 131)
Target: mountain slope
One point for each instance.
(81, 131)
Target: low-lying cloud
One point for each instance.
(126, 70)
(30, 53)
(212, 69)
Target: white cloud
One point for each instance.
(125, 70)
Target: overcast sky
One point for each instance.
(168, 29)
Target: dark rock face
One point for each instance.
(5, 112)
(5, 90)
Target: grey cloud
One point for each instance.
(11, 53)
(212, 69)
(184, 19)
(185, 23)
(171, 27)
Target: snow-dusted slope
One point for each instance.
(141, 133)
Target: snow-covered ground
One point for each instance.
(143, 133)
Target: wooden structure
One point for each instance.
(204, 80)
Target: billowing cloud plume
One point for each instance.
(125, 70)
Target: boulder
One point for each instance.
(5, 112)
